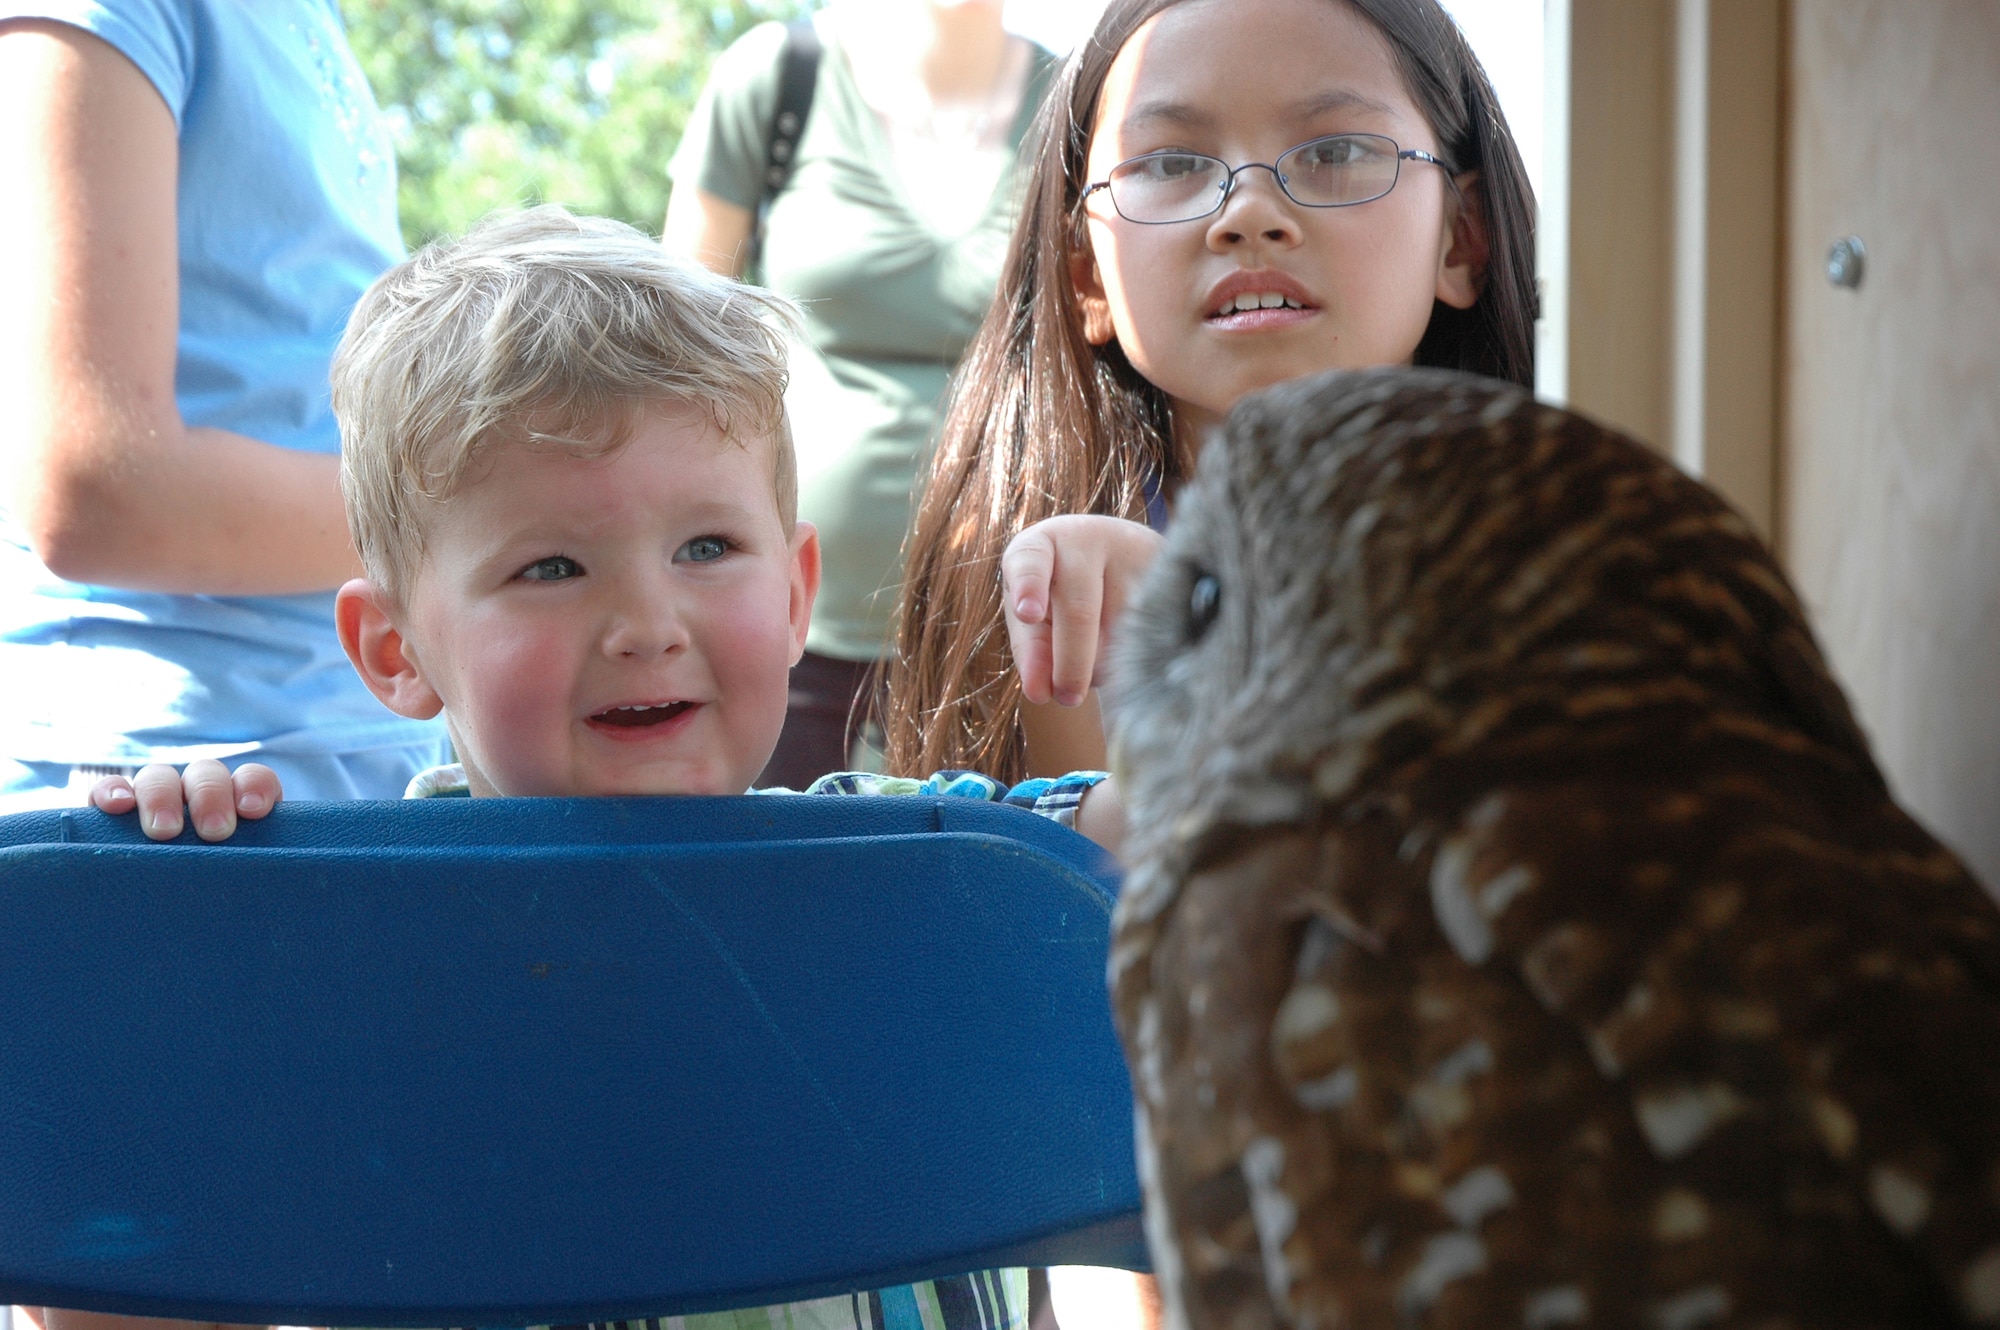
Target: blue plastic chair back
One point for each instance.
(552, 1061)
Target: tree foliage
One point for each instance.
(498, 103)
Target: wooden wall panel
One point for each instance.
(1728, 187)
(1889, 493)
(1674, 154)
(1620, 189)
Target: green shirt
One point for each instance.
(890, 306)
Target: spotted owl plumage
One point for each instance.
(1517, 930)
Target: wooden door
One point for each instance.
(1889, 468)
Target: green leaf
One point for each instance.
(504, 103)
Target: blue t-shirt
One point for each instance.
(286, 212)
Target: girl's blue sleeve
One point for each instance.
(1055, 799)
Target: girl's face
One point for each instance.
(1243, 81)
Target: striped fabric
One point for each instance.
(1053, 798)
(985, 1300)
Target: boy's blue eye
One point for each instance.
(555, 568)
(703, 549)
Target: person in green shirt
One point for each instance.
(890, 232)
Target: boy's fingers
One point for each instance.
(257, 790)
(112, 794)
(158, 791)
(211, 799)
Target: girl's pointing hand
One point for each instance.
(1065, 581)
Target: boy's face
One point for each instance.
(617, 625)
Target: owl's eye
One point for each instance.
(1204, 603)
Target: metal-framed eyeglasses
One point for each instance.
(1337, 171)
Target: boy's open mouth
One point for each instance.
(641, 716)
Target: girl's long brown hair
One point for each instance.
(1041, 423)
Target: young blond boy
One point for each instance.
(571, 483)
(572, 487)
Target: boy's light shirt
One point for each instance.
(1055, 799)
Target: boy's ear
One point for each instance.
(805, 583)
(1091, 301)
(381, 657)
(1462, 267)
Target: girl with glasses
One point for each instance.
(1223, 194)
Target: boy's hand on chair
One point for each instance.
(1065, 581)
(205, 791)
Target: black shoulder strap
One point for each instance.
(798, 74)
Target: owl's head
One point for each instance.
(1374, 573)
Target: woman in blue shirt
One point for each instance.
(198, 192)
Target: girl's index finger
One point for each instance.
(1034, 660)
(1076, 626)
(1027, 569)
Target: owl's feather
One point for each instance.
(1518, 931)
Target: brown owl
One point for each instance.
(1518, 931)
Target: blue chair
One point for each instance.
(527, 1061)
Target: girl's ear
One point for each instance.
(1091, 301)
(381, 657)
(1462, 266)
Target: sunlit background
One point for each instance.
(497, 103)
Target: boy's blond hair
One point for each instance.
(538, 328)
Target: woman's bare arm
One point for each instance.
(110, 484)
(712, 231)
